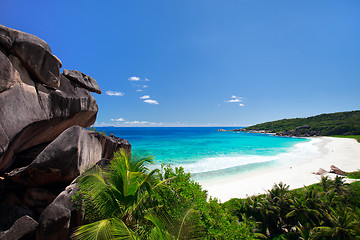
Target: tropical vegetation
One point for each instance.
(127, 200)
(340, 123)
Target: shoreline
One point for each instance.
(296, 169)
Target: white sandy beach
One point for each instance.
(297, 168)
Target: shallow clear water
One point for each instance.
(204, 151)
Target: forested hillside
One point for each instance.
(341, 123)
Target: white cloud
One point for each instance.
(145, 86)
(145, 97)
(234, 100)
(114, 93)
(147, 80)
(139, 90)
(137, 122)
(150, 101)
(134, 78)
(118, 120)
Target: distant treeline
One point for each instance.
(341, 123)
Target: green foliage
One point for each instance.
(328, 210)
(127, 201)
(210, 219)
(118, 201)
(341, 123)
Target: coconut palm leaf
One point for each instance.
(159, 232)
(107, 229)
(99, 193)
(120, 195)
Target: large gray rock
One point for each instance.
(32, 114)
(111, 144)
(39, 62)
(83, 80)
(21, 229)
(65, 158)
(9, 35)
(43, 139)
(34, 53)
(58, 218)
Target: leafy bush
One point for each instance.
(353, 175)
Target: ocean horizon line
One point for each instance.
(169, 126)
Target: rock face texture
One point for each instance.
(37, 102)
(21, 229)
(44, 145)
(69, 155)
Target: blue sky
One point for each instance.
(203, 62)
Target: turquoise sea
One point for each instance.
(205, 152)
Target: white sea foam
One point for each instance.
(300, 152)
(221, 163)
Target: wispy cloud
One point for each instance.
(139, 90)
(145, 97)
(118, 120)
(150, 101)
(114, 93)
(145, 86)
(235, 99)
(137, 122)
(134, 78)
(147, 80)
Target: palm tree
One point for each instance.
(342, 224)
(325, 183)
(339, 185)
(303, 212)
(120, 199)
(272, 209)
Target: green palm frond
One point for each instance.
(188, 212)
(99, 193)
(123, 232)
(159, 232)
(108, 229)
(95, 231)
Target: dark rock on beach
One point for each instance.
(321, 171)
(336, 170)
